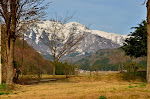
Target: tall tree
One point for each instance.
(136, 44)
(57, 41)
(0, 54)
(148, 41)
(15, 14)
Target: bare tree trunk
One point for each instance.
(10, 61)
(90, 71)
(0, 54)
(148, 41)
(4, 63)
(54, 69)
(22, 59)
(119, 68)
(97, 71)
(122, 68)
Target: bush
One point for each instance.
(3, 89)
(64, 69)
(4, 93)
(132, 67)
(102, 97)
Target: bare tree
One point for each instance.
(15, 15)
(119, 59)
(59, 41)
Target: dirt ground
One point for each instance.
(83, 87)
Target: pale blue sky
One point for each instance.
(115, 16)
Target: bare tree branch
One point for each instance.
(16, 14)
(58, 41)
(144, 2)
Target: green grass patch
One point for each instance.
(142, 85)
(5, 89)
(131, 86)
(15, 93)
(102, 97)
(4, 93)
(89, 77)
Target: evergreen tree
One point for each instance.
(136, 44)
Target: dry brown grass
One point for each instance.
(83, 87)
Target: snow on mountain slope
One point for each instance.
(117, 38)
(92, 42)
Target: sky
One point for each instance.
(113, 16)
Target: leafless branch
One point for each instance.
(144, 2)
(56, 40)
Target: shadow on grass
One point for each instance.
(134, 76)
(34, 80)
(131, 76)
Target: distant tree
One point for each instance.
(136, 44)
(96, 68)
(58, 43)
(15, 15)
(119, 58)
(33, 64)
(132, 67)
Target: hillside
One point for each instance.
(32, 59)
(28, 61)
(108, 59)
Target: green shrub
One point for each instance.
(4, 89)
(89, 77)
(130, 86)
(102, 97)
(3, 86)
(4, 93)
(132, 67)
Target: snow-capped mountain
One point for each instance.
(117, 38)
(92, 42)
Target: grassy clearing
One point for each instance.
(111, 86)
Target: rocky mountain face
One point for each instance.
(93, 40)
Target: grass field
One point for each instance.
(111, 86)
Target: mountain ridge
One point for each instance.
(92, 42)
